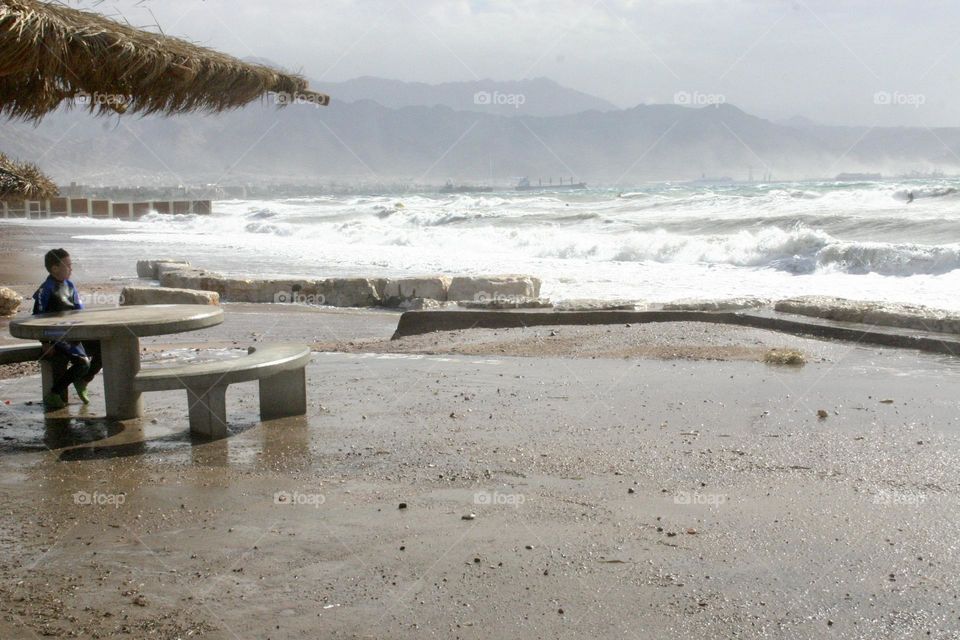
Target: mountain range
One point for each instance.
(377, 131)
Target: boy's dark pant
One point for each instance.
(77, 368)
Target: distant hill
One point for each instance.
(364, 141)
(537, 97)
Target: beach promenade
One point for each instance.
(687, 491)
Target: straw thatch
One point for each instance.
(50, 53)
(21, 180)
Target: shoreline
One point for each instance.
(295, 257)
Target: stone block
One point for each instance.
(166, 295)
(491, 287)
(398, 289)
(348, 292)
(148, 268)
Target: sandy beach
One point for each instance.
(615, 481)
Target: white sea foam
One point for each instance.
(660, 243)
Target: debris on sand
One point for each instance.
(784, 356)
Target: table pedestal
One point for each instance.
(121, 362)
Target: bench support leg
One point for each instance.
(283, 394)
(208, 411)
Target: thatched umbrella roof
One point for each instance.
(50, 52)
(24, 181)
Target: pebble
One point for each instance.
(469, 516)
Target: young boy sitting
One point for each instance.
(58, 294)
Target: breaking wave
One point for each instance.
(798, 251)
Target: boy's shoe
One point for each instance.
(53, 401)
(82, 392)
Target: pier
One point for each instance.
(78, 207)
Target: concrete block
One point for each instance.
(433, 287)
(194, 279)
(348, 292)
(165, 295)
(149, 268)
(491, 287)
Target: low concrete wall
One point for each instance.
(419, 322)
(905, 316)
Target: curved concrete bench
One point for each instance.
(280, 368)
(50, 368)
(14, 353)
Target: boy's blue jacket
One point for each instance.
(55, 296)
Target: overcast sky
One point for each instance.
(867, 62)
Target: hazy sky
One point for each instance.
(869, 62)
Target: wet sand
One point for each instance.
(645, 481)
(613, 496)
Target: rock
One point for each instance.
(166, 295)
(822, 414)
(9, 301)
(492, 287)
(148, 269)
(469, 516)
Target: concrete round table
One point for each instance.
(119, 331)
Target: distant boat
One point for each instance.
(463, 188)
(524, 185)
